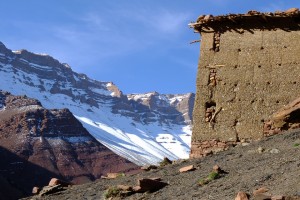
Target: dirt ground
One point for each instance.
(273, 162)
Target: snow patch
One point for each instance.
(100, 91)
(17, 52)
(41, 54)
(27, 108)
(40, 67)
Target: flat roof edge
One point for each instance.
(289, 19)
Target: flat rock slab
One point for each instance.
(187, 168)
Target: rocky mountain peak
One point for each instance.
(4, 50)
(66, 65)
(116, 92)
(178, 106)
(2, 46)
(39, 59)
(144, 128)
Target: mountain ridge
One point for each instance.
(37, 144)
(143, 128)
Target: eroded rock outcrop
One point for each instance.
(286, 118)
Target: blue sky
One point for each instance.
(140, 45)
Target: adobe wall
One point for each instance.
(243, 78)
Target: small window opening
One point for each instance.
(210, 109)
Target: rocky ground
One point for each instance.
(272, 163)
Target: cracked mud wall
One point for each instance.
(253, 74)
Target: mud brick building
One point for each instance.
(249, 67)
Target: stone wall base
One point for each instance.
(205, 148)
(201, 149)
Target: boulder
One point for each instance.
(36, 190)
(187, 168)
(241, 196)
(218, 170)
(260, 191)
(145, 185)
(55, 181)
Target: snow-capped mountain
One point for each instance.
(144, 128)
(37, 144)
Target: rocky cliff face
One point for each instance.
(172, 109)
(37, 144)
(143, 128)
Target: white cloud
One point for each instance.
(94, 36)
(168, 22)
(122, 32)
(160, 21)
(95, 21)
